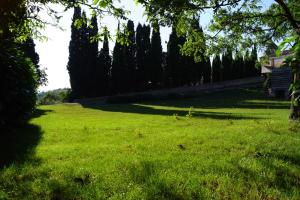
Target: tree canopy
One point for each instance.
(235, 23)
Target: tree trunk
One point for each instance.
(295, 110)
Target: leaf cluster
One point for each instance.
(235, 24)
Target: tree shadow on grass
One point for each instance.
(18, 144)
(248, 99)
(284, 179)
(146, 174)
(142, 109)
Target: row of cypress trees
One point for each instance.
(230, 68)
(140, 64)
(85, 73)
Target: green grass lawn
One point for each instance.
(230, 145)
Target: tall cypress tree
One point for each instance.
(175, 61)
(129, 58)
(238, 65)
(206, 70)
(182, 69)
(104, 63)
(191, 76)
(92, 61)
(216, 69)
(172, 58)
(204, 66)
(86, 69)
(255, 71)
(140, 57)
(194, 69)
(155, 67)
(146, 44)
(117, 70)
(74, 55)
(247, 64)
(227, 62)
(29, 51)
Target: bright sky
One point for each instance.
(54, 52)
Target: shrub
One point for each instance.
(18, 83)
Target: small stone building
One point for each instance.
(278, 77)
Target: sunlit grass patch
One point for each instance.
(231, 145)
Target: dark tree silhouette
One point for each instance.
(155, 65)
(129, 58)
(227, 63)
(74, 55)
(175, 61)
(104, 67)
(216, 69)
(253, 59)
(29, 51)
(238, 66)
(206, 70)
(142, 56)
(92, 78)
(117, 70)
(146, 44)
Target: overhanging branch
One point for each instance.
(289, 16)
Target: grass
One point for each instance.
(230, 145)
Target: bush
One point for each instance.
(18, 83)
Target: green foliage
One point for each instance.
(54, 97)
(28, 47)
(190, 113)
(20, 74)
(293, 62)
(19, 81)
(235, 24)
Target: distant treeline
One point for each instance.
(53, 97)
(139, 64)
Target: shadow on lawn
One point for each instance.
(141, 109)
(17, 144)
(285, 178)
(249, 99)
(228, 99)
